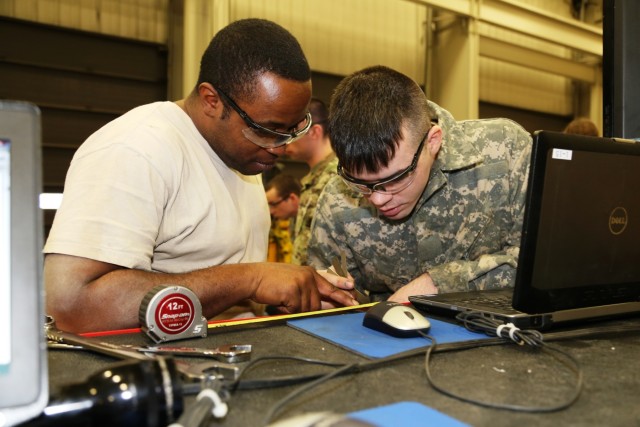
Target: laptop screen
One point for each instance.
(23, 364)
(581, 234)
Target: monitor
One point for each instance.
(23, 357)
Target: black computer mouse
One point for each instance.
(396, 319)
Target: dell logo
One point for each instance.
(618, 220)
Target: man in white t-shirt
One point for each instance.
(170, 193)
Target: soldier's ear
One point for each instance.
(434, 140)
(315, 130)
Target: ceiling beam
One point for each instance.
(528, 20)
(514, 54)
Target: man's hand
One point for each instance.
(421, 285)
(296, 289)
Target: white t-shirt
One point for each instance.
(146, 191)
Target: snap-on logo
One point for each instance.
(618, 220)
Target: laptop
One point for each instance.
(580, 249)
(23, 358)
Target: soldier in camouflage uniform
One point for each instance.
(426, 204)
(283, 197)
(315, 150)
(312, 185)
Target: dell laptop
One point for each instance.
(580, 249)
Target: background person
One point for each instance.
(582, 126)
(283, 197)
(314, 148)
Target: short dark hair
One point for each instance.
(245, 49)
(366, 115)
(582, 126)
(319, 113)
(284, 184)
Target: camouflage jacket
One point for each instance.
(465, 229)
(312, 185)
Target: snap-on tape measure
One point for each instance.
(172, 312)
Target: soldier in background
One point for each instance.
(582, 126)
(424, 204)
(315, 150)
(283, 197)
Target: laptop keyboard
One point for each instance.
(497, 301)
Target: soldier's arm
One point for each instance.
(495, 269)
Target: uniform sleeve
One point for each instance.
(328, 236)
(312, 186)
(323, 244)
(496, 269)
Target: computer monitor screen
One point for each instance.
(5, 242)
(23, 363)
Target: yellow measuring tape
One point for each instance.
(284, 317)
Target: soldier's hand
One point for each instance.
(421, 285)
(338, 281)
(295, 289)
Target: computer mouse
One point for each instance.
(395, 319)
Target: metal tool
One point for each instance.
(121, 352)
(231, 353)
(202, 373)
(55, 345)
(339, 266)
(208, 371)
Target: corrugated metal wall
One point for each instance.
(522, 87)
(138, 19)
(339, 37)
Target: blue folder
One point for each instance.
(405, 414)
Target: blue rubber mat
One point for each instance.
(346, 330)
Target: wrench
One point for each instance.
(55, 334)
(231, 353)
(203, 373)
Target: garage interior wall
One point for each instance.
(535, 61)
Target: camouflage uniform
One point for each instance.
(465, 229)
(312, 185)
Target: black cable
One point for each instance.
(239, 384)
(263, 359)
(297, 392)
(477, 321)
(532, 338)
(272, 382)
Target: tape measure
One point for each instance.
(172, 312)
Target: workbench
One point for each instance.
(608, 353)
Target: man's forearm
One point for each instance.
(112, 300)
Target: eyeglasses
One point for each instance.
(262, 136)
(390, 185)
(277, 202)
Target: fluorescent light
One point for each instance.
(50, 200)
